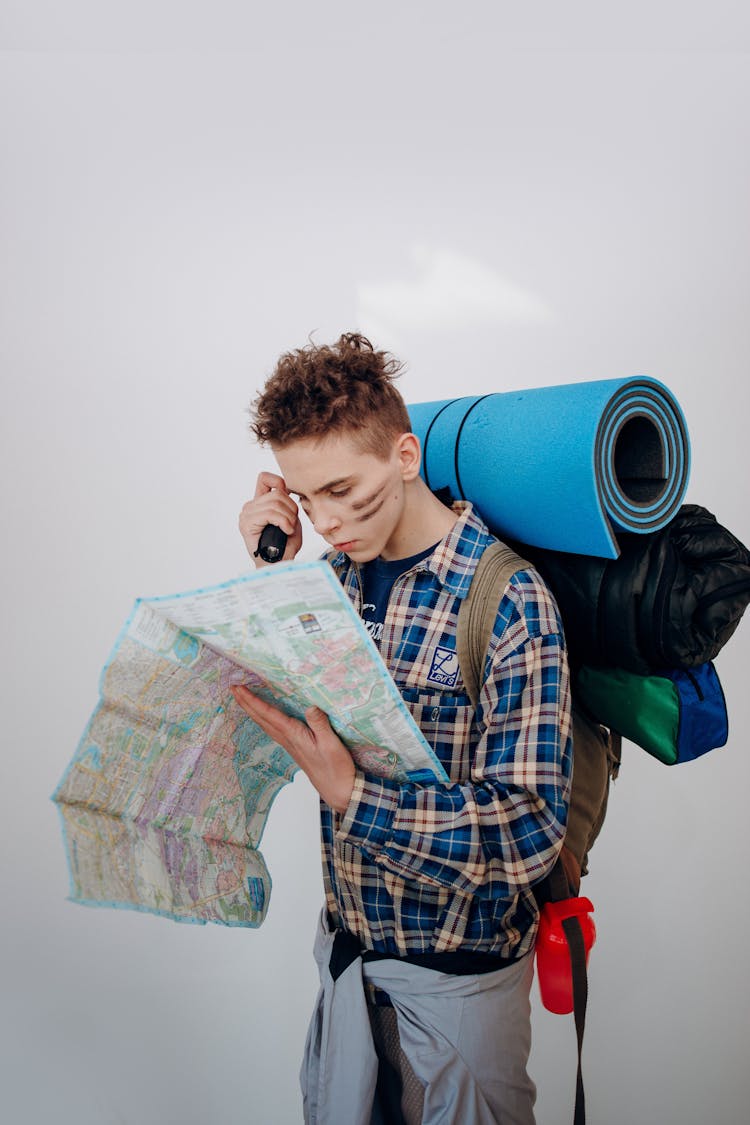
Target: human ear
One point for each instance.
(409, 453)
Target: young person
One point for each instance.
(425, 944)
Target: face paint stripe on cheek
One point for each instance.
(373, 512)
(359, 504)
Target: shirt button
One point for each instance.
(435, 714)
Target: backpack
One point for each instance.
(596, 759)
(596, 751)
(675, 715)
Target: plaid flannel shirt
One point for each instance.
(429, 868)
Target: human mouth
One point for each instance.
(345, 546)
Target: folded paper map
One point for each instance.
(165, 801)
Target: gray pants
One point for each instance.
(467, 1039)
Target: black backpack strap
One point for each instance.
(556, 887)
(574, 934)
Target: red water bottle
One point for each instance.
(553, 964)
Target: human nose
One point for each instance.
(324, 519)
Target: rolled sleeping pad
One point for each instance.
(564, 467)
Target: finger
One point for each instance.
(274, 507)
(254, 705)
(317, 721)
(285, 513)
(283, 728)
(269, 482)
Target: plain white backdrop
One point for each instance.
(505, 202)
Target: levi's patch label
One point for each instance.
(444, 667)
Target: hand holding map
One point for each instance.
(164, 803)
(313, 744)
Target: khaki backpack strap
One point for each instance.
(478, 612)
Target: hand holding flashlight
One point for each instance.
(269, 523)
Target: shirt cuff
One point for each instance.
(368, 818)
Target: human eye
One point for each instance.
(338, 493)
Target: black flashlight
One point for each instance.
(272, 543)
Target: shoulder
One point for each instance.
(534, 601)
(527, 611)
(526, 606)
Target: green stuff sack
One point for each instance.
(676, 716)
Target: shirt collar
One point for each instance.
(455, 558)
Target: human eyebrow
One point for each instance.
(332, 484)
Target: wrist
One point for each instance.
(343, 796)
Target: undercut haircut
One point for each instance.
(325, 389)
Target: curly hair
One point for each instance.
(324, 389)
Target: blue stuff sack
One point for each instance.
(704, 723)
(676, 716)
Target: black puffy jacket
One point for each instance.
(671, 600)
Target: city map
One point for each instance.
(164, 803)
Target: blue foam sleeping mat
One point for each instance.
(563, 467)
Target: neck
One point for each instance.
(425, 521)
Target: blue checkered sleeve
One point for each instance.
(500, 830)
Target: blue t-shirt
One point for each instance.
(378, 577)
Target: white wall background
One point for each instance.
(506, 201)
